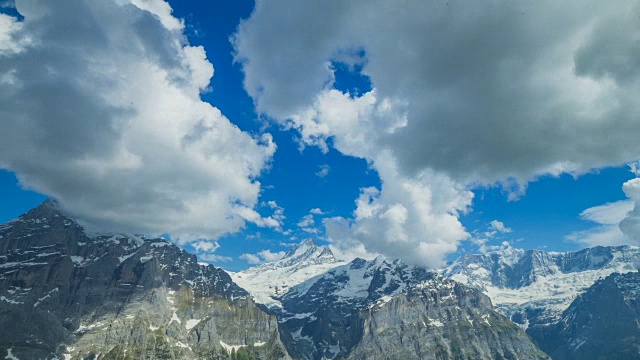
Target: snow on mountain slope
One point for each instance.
(269, 281)
(386, 309)
(68, 294)
(601, 323)
(534, 287)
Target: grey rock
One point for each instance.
(388, 310)
(65, 293)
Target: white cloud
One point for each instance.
(100, 107)
(485, 94)
(253, 216)
(163, 11)
(634, 167)
(324, 171)
(630, 225)
(267, 255)
(251, 258)
(489, 94)
(11, 41)
(278, 212)
(491, 232)
(306, 221)
(262, 256)
(608, 214)
(617, 222)
(412, 218)
(205, 251)
(205, 246)
(498, 226)
(607, 231)
(214, 258)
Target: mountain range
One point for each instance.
(543, 291)
(71, 294)
(65, 294)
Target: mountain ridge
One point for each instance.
(374, 309)
(72, 296)
(602, 322)
(269, 281)
(534, 286)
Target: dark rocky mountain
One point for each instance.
(602, 323)
(387, 310)
(66, 294)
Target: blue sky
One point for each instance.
(416, 136)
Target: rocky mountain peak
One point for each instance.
(69, 294)
(303, 247)
(302, 255)
(367, 309)
(307, 251)
(269, 281)
(47, 211)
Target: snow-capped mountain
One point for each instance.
(383, 309)
(534, 287)
(601, 323)
(269, 281)
(68, 294)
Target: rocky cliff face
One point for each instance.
(534, 287)
(602, 323)
(67, 294)
(387, 310)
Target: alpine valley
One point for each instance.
(67, 293)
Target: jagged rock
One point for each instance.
(68, 294)
(387, 310)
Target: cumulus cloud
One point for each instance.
(205, 246)
(497, 225)
(308, 224)
(501, 92)
(490, 93)
(262, 256)
(414, 218)
(267, 255)
(306, 221)
(205, 250)
(251, 258)
(618, 223)
(100, 107)
(484, 237)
